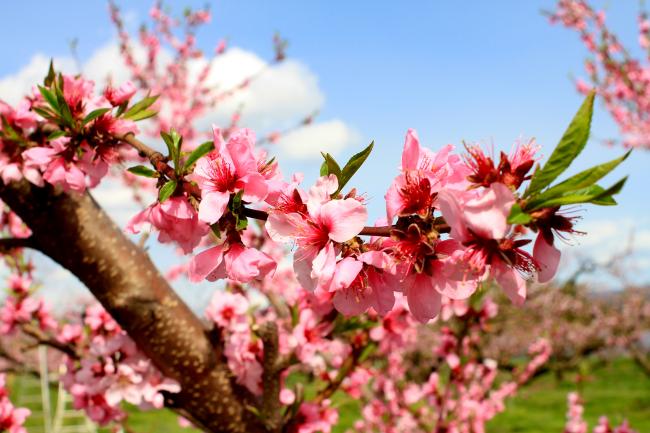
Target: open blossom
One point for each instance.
(316, 224)
(364, 282)
(234, 261)
(479, 222)
(424, 173)
(56, 166)
(230, 168)
(511, 171)
(175, 219)
(228, 310)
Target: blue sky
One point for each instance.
(472, 70)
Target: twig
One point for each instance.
(271, 414)
(42, 338)
(10, 244)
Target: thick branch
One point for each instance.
(75, 232)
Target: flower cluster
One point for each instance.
(576, 424)
(11, 418)
(111, 369)
(623, 81)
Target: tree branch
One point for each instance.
(10, 244)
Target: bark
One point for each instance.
(74, 231)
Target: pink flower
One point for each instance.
(479, 222)
(424, 173)
(365, 282)
(12, 418)
(235, 261)
(315, 226)
(117, 96)
(228, 311)
(314, 418)
(175, 219)
(230, 168)
(57, 170)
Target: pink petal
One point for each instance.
(487, 215)
(212, 206)
(255, 187)
(204, 265)
(344, 219)
(510, 280)
(547, 257)
(321, 192)
(345, 273)
(411, 152)
(351, 302)
(282, 227)
(423, 299)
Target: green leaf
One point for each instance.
(581, 180)
(353, 165)
(572, 143)
(594, 194)
(141, 170)
(94, 115)
(197, 153)
(140, 106)
(45, 113)
(144, 114)
(49, 97)
(242, 223)
(332, 167)
(323, 169)
(518, 216)
(64, 109)
(51, 75)
(55, 135)
(167, 190)
(171, 146)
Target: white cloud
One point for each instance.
(279, 97)
(307, 142)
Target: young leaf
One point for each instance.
(49, 97)
(144, 114)
(518, 216)
(51, 75)
(55, 135)
(94, 115)
(141, 170)
(572, 143)
(332, 166)
(171, 148)
(242, 223)
(167, 190)
(353, 165)
(140, 106)
(594, 194)
(197, 153)
(583, 179)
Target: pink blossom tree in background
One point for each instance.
(620, 78)
(314, 300)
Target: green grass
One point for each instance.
(619, 390)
